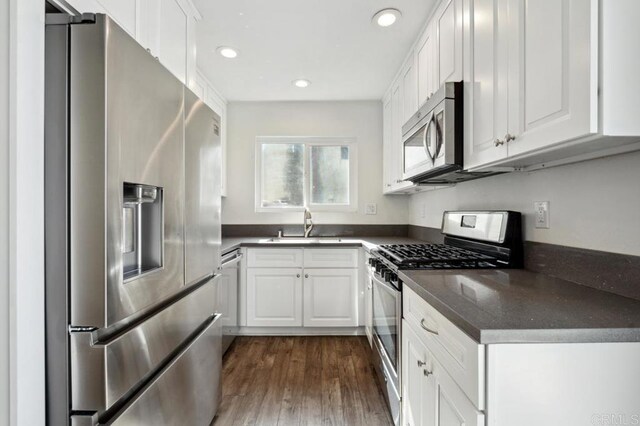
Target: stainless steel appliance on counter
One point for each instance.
(132, 234)
(432, 148)
(473, 240)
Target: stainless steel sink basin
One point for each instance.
(300, 240)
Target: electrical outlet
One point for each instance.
(541, 210)
(371, 208)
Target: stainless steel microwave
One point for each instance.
(432, 138)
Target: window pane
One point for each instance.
(282, 175)
(329, 174)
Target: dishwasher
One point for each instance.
(228, 296)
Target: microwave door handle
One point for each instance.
(424, 138)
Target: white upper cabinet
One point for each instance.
(427, 63)
(409, 91)
(387, 142)
(553, 81)
(172, 38)
(485, 89)
(448, 22)
(166, 28)
(546, 82)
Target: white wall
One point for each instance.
(359, 119)
(593, 204)
(4, 213)
(26, 212)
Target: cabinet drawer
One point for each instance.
(458, 353)
(331, 258)
(274, 258)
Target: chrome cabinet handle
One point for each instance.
(427, 373)
(306, 275)
(509, 137)
(498, 142)
(297, 275)
(427, 328)
(421, 363)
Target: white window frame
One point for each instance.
(308, 142)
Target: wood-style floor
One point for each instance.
(300, 381)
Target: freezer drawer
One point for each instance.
(103, 372)
(187, 392)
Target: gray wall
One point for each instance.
(4, 213)
(594, 204)
(359, 119)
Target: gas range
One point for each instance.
(489, 239)
(473, 240)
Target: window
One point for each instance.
(298, 172)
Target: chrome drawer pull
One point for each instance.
(427, 328)
(427, 373)
(420, 363)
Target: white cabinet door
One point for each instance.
(449, 26)
(387, 142)
(485, 87)
(274, 297)
(172, 38)
(228, 297)
(453, 407)
(418, 394)
(553, 79)
(392, 139)
(330, 297)
(427, 63)
(409, 90)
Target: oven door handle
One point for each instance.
(376, 278)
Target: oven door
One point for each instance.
(387, 312)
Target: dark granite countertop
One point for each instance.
(229, 244)
(518, 306)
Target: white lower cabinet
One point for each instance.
(274, 297)
(330, 297)
(302, 287)
(446, 382)
(430, 396)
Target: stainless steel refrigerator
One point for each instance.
(132, 234)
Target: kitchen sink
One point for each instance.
(300, 240)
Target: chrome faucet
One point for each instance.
(307, 228)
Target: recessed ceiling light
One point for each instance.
(227, 52)
(302, 83)
(386, 17)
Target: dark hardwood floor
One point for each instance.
(300, 381)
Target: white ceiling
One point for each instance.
(332, 43)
